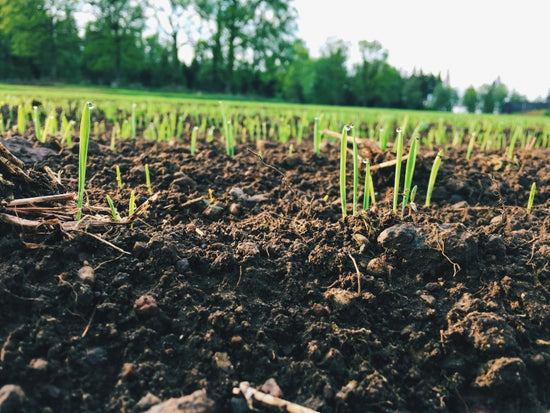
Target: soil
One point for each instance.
(242, 269)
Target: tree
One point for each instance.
(375, 82)
(330, 83)
(444, 97)
(252, 33)
(113, 44)
(470, 99)
(174, 20)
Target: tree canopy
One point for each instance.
(247, 47)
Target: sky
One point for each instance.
(475, 41)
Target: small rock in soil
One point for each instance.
(235, 209)
(271, 387)
(146, 306)
(12, 399)
(86, 274)
(38, 364)
(147, 401)
(196, 402)
(505, 373)
(96, 355)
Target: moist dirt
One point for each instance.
(242, 269)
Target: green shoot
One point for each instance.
(230, 150)
(316, 137)
(399, 157)
(148, 180)
(355, 174)
(431, 181)
(531, 197)
(368, 185)
(409, 172)
(36, 120)
(83, 155)
(114, 212)
(194, 140)
(21, 121)
(470, 146)
(132, 203)
(118, 177)
(134, 121)
(413, 194)
(343, 152)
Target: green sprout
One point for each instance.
(118, 177)
(431, 181)
(83, 155)
(134, 121)
(194, 140)
(316, 136)
(132, 203)
(36, 121)
(355, 175)
(531, 197)
(148, 179)
(343, 151)
(21, 121)
(409, 172)
(229, 144)
(399, 157)
(114, 212)
(369, 188)
(470, 146)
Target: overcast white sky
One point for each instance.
(475, 40)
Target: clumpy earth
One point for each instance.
(242, 269)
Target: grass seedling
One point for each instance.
(343, 152)
(36, 121)
(148, 180)
(194, 140)
(230, 149)
(367, 188)
(316, 137)
(470, 146)
(409, 172)
(399, 157)
(21, 121)
(134, 121)
(518, 132)
(431, 181)
(83, 155)
(118, 177)
(132, 203)
(114, 212)
(531, 197)
(355, 175)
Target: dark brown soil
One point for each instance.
(242, 270)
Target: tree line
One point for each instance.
(245, 47)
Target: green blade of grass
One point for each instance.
(83, 155)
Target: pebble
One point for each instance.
(147, 401)
(146, 306)
(12, 399)
(86, 274)
(196, 402)
(38, 364)
(271, 387)
(128, 371)
(235, 209)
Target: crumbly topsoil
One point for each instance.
(242, 269)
